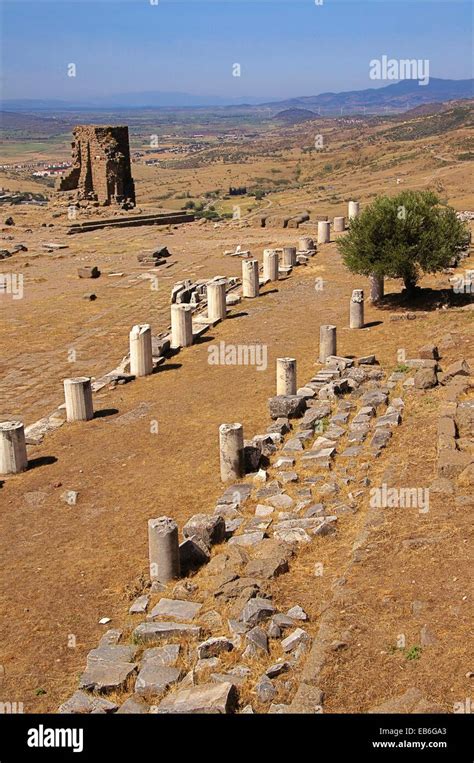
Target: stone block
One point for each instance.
(452, 462)
(154, 679)
(209, 528)
(286, 406)
(146, 632)
(215, 698)
(175, 609)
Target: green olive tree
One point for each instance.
(403, 236)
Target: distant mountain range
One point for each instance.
(404, 94)
(398, 96)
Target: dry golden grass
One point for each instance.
(65, 567)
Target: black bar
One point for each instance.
(316, 737)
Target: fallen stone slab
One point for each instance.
(339, 362)
(280, 426)
(459, 368)
(352, 452)
(283, 621)
(308, 523)
(156, 631)
(422, 363)
(154, 679)
(277, 669)
(257, 642)
(140, 605)
(193, 553)
(315, 510)
(216, 698)
(273, 488)
(238, 589)
(263, 511)
(327, 526)
(112, 653)
(258, 523)
(207, 664)
(282, 501)
(287, 477)
(374, 398)
(292, 535)
(257, 610)
(366, 360)
(134, 705)
(213, 647)
(247, 539)
(287, 406)
(425, 378)
(209, 528)
(110, 637)
(297, 613)
(162, 655)
(380, 439)
(465, 418)
(358, 434)
(389, 420)
(452, 462)
(316, 413)
(265, 690)
(175, 609)
(429, 351)
(34, 433)
(228, 678)
(299, 636)
(293, 446)
(83, 703)
(237, 494)
(103, 676)
(334, 432)
(322, 442)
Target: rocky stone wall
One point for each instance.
(101, 168)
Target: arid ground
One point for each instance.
(65, 567)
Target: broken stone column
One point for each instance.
(163, 548)
(141, 356)
(356, 310)
(231, 448)
(216, 304)
(13, 458)
(339, 224)
(286, 376)
(305, 244)
(376, 288)
(327, 342)
(324, 232)
(78, 397)
(250, 285)
(181, 325)
(289, 256)
(353, 209)
(270, 265)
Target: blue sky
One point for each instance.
(285, 48)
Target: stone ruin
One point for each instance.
(101, 170)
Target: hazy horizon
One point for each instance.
(284, 49)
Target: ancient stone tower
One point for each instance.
(101, 165)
